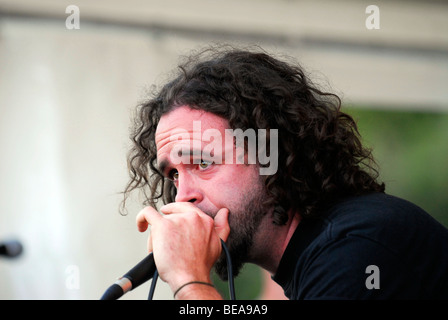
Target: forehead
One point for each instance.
(183, 118)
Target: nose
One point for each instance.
(188, 190)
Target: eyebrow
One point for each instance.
(162, 166)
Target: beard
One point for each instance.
(244, 222)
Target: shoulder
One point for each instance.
(379, 217)
(373, 232)
(375, 206)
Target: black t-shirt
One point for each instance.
(370, 247)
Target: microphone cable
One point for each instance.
(153, 285)
(229, 273)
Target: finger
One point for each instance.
(147, 216)
(182, 207)
(176, 207)
(221, 222)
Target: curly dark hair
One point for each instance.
(320, 155)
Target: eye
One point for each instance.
(173, 175)
(205, 164)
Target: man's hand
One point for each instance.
(185, 241)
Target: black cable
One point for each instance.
(153, 285)
(229, 273)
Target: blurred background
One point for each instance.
(67, 97)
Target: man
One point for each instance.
(312, 213)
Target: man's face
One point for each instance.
(192, 151)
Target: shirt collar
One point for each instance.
(305, 233)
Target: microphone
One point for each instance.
(146, 269)
(11, 248)
(138, 275)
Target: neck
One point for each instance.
(271, 241)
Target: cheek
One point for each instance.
(229, 189)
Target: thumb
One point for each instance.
(222, 227)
